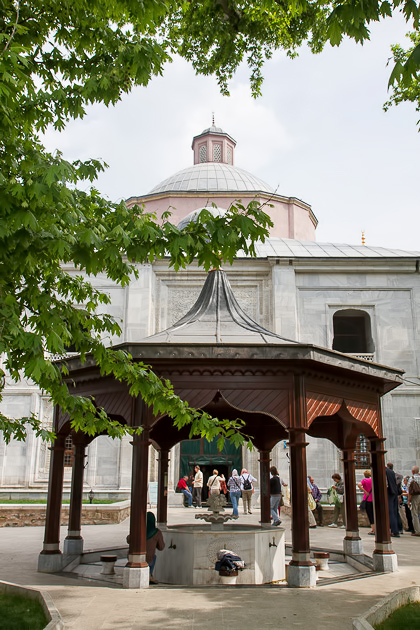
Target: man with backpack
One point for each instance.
(413, 488)
(247, 489)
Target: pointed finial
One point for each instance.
(212, 119)
(363, 238)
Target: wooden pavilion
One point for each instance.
(221, 361)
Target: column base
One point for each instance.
(352, 547)
(50, 562)
(301, 576)
(385, 563)
(136, 577)
(73, 546)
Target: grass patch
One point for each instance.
(65, 502)
(21, 613)
(407, 617)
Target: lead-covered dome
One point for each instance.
(212, 177)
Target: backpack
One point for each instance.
(247, 483)
(414, 488)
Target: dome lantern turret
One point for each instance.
(213, 145)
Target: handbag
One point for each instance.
(311, 502)
(363, 505)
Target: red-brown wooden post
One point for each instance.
(73, 543)
(265, 486)
(162, 505)
(136, 571)
(50, 558)
(352, 543)
(301, 570)
(384, 558)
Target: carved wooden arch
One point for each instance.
(324, 405)
(264, 429)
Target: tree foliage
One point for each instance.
(406, 87)
(56, 58)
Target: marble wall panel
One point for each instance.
(107, 462)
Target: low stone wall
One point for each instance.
(327, 514)
(385, 607)
(15, 515)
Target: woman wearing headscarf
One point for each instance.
(234, 487)
(154, 540)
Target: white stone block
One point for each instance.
(352, 547)
(136, 577)
(73, 546)
(387, 563)
(301, 577)
(50, 562)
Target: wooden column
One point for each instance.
(380, 496)
(265, 486)
(301, 570)
(352, 540)
(139, 484)
(74, 541)
(162, 505)
(51, 545)
(299, 498)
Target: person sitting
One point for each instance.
(182, 485)
(154, 540)
(317, 495)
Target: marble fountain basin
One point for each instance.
(190, 554)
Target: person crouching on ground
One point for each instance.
(154, 540)
(182, 485)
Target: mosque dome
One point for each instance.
(215, 211)
(212, 177)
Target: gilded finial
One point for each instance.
(363, 238)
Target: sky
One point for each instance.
(318, 133)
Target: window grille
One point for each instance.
(361, 453)
(217, 153)
(68, 451)
(203, 153)
(229, 155)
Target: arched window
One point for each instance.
(352, 332)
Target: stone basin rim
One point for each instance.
(228, 528)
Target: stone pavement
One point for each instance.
(93, 606)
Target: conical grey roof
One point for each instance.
(217, 318)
